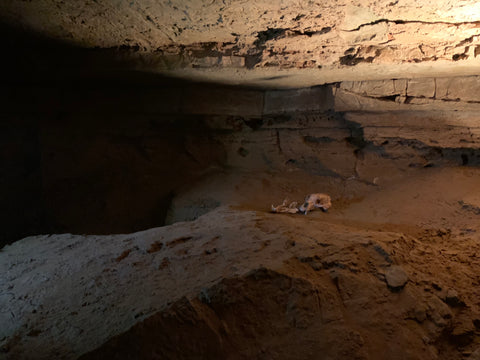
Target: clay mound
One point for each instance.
(267, 314)
(393, 275)
(247, 316)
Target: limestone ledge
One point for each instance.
(453, 93)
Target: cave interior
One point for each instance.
(145, 145)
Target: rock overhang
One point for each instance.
(271, 45)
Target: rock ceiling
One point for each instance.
(268, 43)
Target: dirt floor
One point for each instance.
(389, 272)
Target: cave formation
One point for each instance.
(143, 144)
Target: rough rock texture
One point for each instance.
(372, 102)
(93, 159)
(252, 283)
(244, 42)
(396, 277)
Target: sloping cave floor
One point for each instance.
(240, 282)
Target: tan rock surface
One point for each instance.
(98, 138)
(243, 42)
(200, 287)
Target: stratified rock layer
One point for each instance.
(268, 44)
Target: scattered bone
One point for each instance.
(283, 208)
(312, 202)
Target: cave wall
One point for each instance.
(20, 185)
(285, 35)
(92, 145)
(108, 158)
(102, 157)
(434, 118)
(98, 161)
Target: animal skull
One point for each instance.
(312, 201)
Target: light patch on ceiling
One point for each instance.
(468, 12)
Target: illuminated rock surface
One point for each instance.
(286, 43)
(171, 127)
